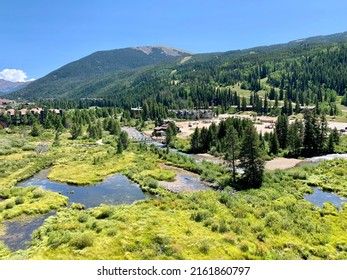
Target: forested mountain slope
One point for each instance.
(310, 71)
(65, 81)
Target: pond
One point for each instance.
(18, 233)
(319, 197)
(115, 189)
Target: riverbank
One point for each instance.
(282, 163)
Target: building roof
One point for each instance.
(57, 111)
(11, 112)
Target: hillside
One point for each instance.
(178, 79)
(66, 80)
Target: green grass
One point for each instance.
(273, 222)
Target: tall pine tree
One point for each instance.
(251, 159)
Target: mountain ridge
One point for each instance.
(8, 86)
(96, 65)
(107, 73)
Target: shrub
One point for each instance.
(78, 206)
(83, 218)
(230, 238)
(103, 212)
(82, 241)
(111, 232)
(272, 219)
(244, 245)
(224, 198)
(28, 147)
(56, 239)
(19, 200)
(199, 216)
(152, 183)
(214, 227)
(204, 246)
(223, 226)
(37, 193)
(298, 174)
(10, 205)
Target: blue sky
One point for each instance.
(39, 36)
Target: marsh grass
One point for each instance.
(273, 222)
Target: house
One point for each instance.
(17, 116)
(7, 102)
(160, 131)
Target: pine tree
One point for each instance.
(290, 108)
(266, 105)
(281, 128)
(295, 137)
(311, 133)
(124, 139)
(251, 159)
(297, 106)
(169, 137)
(274, 144)
(323, 133)
(56, 141)
(272, 94)
(244, 104)
(195, 141)
(204, 140)
(119, 147)
(76, 130)
(333, 139)
(35, 131)
(232, 148)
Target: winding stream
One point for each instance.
(317, 198)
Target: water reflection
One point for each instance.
(18, 233)
(319, 197)
(114, 190)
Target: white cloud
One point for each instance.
(13, 75)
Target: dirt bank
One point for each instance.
(281, 163)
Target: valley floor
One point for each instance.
(273, 222)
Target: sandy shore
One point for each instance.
(281, 163)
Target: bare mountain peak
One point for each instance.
(8, 86)
(169, 51)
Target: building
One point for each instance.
(17, 116)
(136, 112)
(193, 114)
(160, 131)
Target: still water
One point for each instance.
(115, 189)
(18, 233)
(319, 197)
